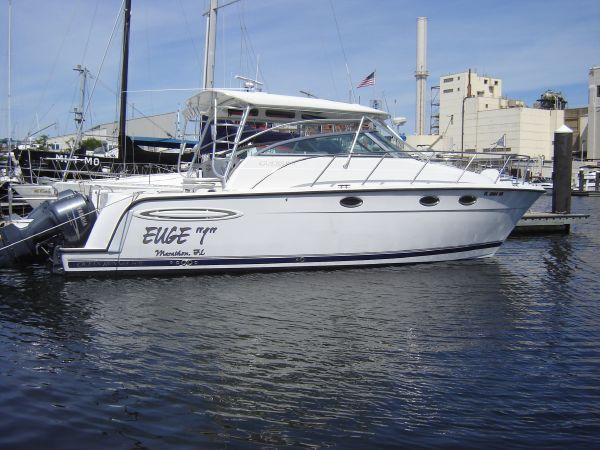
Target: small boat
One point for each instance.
(546, 183)
(590, 181)
(340, 193)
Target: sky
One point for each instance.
(325, 47)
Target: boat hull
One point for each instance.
(229, 232)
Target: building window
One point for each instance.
(447, 91)
(491, 88)
(479, 93)
(485, 81)
(598, 91)
(495, 82)
(457, 89)
(486, 106)
(448, 80)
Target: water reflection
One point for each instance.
(34, 299)
(261, 353)
(384, 357)
(559, 260)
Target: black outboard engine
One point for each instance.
(66, 221)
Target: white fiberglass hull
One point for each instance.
(265, 231)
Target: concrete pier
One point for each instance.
(560, 219)
(543, 223)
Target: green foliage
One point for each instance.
(91, 143)
(42, 141)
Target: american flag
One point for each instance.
(369, 81)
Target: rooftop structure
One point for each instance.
(474, 116)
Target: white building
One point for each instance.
(593, 134)
(158, 126)
(473, 116)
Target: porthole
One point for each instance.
(429, 200)
(467, 200)
(351, 202)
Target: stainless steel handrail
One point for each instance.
(374, 168)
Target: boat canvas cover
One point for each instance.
(203, 103)
(161, 142)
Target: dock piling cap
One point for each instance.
(564, 129)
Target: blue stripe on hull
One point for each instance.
(256, 261)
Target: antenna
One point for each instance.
(308, 94)
(250, 84)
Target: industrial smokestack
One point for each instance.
(421, 74)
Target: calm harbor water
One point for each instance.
(502, 352)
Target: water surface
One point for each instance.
(501, 352)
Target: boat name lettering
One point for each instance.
(88, 160)
(175, 253)
(166, 235)
(205, 231)
(92, 161)
(175, 234)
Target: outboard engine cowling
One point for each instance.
(65, 221)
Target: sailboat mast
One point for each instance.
(124, 72)
(9, 87)
(210, 46)
(79, 111)
(9, 113)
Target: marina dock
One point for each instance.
(577, 193)
(547, 222)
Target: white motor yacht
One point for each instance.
(338, 193)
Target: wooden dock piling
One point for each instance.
(561, 171)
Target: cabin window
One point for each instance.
(280, 114)
(238, 112)
(467, 200)
(429, 200)
(310, 116)
(351, 202)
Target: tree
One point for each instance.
(91, 143)
(42, 141)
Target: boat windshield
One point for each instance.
(368, 143)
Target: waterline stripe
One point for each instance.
(300, 260)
